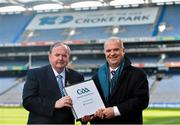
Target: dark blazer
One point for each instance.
(40, 93)
(130, 95)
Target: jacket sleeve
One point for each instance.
(138, 94)
(32, 101)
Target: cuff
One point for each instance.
(116, 111)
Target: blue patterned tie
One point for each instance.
(60, 83)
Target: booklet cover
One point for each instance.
(85, 98)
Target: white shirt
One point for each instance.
(112, 70)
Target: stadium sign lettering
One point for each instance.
(135, 18)
(82, 91)
(110, 19)
(94, 20)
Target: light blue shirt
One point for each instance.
(62, 74)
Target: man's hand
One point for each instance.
(99, 114)
(63, 102)
(86, 118)
(108, 112)
(104, 113)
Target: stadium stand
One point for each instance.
(168, 14)
(158, 53)
(166, 92)
(5, 84)
(43, 35)
(170, 19)
(11, 96)
(12, 26)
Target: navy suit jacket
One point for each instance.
(40, 93)
(130, 95)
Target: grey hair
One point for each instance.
(115, 39)
(60, 44)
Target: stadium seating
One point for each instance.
(171, 19)
(10, 91)
(12, 26)
(166, 92)
(43, 35)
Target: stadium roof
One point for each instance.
(24, 5)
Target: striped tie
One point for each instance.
(112, 72)
(60, 83)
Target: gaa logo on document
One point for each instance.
(82, 91)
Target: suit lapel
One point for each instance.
(51, 79)
(118, 86)
(68, 80)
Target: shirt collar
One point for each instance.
(56, 73)
(113, 69)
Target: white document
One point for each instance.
(85, 98)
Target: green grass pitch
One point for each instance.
(18, 115)
(161, 116)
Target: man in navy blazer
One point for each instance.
(125, 92)
(41, 93)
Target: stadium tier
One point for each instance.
(12, 26)
(129, 23)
